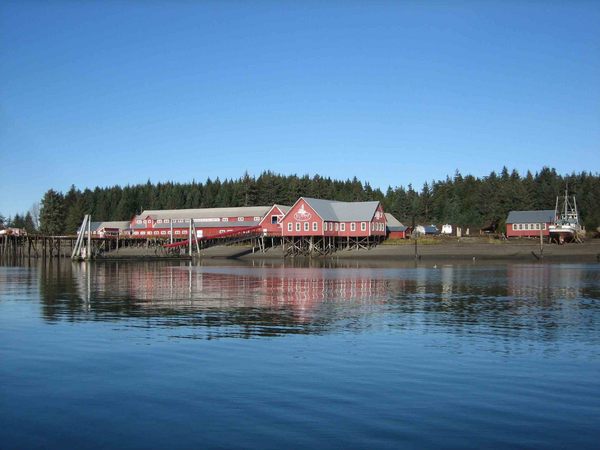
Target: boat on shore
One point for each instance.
(566, 226)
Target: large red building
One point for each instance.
(316, 217)
(310, 225)
(206, 222)
(316, 226)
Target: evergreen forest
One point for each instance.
(462, 200)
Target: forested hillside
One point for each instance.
(462, 199)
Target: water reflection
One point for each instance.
(267, 299)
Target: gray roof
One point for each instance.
(206, 213)
(120, 224)
(394, 224)
(543, 216)
(284, 209)
(232, 224)
(335, 211)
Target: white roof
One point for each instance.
(206, 213)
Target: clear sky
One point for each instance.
(104, 93)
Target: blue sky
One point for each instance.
(104, 93)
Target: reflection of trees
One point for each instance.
(60, 294)
(272, 299)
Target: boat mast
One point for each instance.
(566, 216)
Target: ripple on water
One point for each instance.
(153, 355)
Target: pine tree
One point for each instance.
(52, 213)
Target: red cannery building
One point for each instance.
(206, 222)
(529, 223)
(321, 226)
(310, 226)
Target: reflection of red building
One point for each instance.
(543, 280)
(302, 290)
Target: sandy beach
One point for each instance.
(465, 249)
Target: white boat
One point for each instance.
(566, 226)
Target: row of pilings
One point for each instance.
(35, 246)
(40, 246)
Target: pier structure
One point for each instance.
(311, 227)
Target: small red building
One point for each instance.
(395, 229)
(271, 222)
(529, 223)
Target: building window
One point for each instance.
(353, 226)
(315, 226)
(159, 221)
(138, 221)
(163, 232)
(156, 232)
(177, 232)
(225, 219)
(297, 226)
(544, 227)
(274, 220)
(363, 226)
(290, 226)
(306, 226)
(514, 227)
(135, 233)
(257, 219)
(240, 219)
(342, 227)
(143, 232)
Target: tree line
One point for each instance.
(463, 200)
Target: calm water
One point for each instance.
(154, 355)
